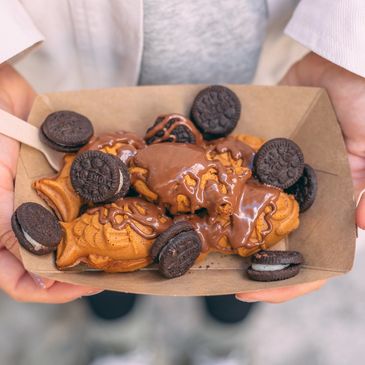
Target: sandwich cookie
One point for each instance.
(274, 265)
(173, 128)
(279, 162)
(305, 189)
(216, 111)
(99, 177)
(66, 131)
(176, 249)
(36, 228)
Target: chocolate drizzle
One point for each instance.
(134, 210)
(129, 142)
(236, 148)
(184, 169)
(248, 201)
(233, 201)
(178, 120)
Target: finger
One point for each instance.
(63, 292)
(360, 211)
(28, 291)
(279, 295)
(18, 284)
(9, 241)
(9, 148)
(42, 282)
(7, 237)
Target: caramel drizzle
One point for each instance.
(131, 214)
(179, 120)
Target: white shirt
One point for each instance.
(89, 42)
(333, 29)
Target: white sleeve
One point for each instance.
(17, 31)
(334, 29)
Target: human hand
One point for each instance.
(280, 295)
(347, 93)
(14, 279)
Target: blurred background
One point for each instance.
(325, 327)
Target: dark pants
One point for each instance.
(223, 308)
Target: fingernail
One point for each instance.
(92, 292)
(247, 300)
(360, 196)
(39, 281)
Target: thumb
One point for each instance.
(360, 210)
(5, 102)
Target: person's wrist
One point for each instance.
(312, 69)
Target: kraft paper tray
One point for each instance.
(327, 232)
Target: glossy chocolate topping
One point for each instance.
(236, 148)
(185, 169)
(134, 210)
(248, 201)
(182, 169)
(168, 165)
(178, 120)
(128, 141)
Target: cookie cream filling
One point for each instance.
(262, 267)
(121, 179)
(36, 245)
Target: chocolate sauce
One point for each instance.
(236, 148)
(129, 141)
(128, 208)
(193, 171)
(178, 120)
(248, 202)
(171, 166)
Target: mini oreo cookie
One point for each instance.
(99, 177)
(274, 265)
(176, 249)
(279, 162)
(36, 228)
(305, 189)
(171, 128)
(216, 111)
(164, 237)
(66, 131)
